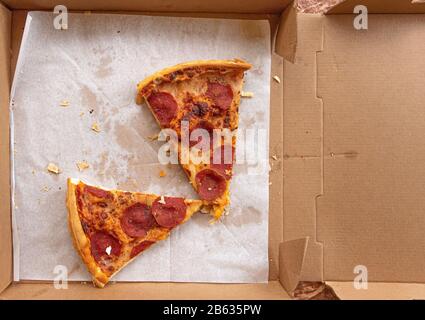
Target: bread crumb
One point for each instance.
(274, 157)
(276, 78)
(153, 137)
(228, 172)
(95, 127)
(162, 173)
(64, 103)
(51, 167)
(204, 210)
(81, 113)
(162, 200)
(45, 189)
(209, 188)
(33, 171)
(82, 165)
(247, 94)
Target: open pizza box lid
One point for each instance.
(346, 195)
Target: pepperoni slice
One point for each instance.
(164, 106)
(170, 213)
(201, 135)
(100, 242)
(99, 193)
(211, 184)
(142, 246)
(137, 220)
(221, 95)
(219, 160)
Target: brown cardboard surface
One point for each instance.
(383, 291)
(5, 222)
(379, 6)
(273, 290)
(352, 165)
(372, 209)
(302, 145)
(246, 6)
(276, 173)
(18, 25)
(350, 168)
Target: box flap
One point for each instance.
(5, 223)
(371, 212)
(291, 260)
(246, 6)
(379, 6)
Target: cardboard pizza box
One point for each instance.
(346, 128)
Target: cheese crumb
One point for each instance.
(162, 200)
(51, 167)
(64, 103)
(247, 94)
(153, 137)
(162, 173)
(45, 189)
(108, 250)
(228, 172)
(276, 78)
(95, 127)
(82, 165)
(226, 211)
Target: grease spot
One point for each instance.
(88, 97)
(104, 69)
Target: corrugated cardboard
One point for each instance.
(352, 164)
(346, 129)
(372, 209)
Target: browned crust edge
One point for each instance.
(204, 64)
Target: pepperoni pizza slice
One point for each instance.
(111, 227)
(203, 97)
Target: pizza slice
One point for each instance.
(202, 97)
(111, 227)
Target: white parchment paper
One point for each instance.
(95, 65)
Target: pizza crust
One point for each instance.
(203, 64)
(80, 240)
